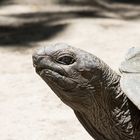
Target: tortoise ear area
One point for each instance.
(94, 74)
(87, 74)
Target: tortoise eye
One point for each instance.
(65, 60)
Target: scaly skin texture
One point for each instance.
(91, 89)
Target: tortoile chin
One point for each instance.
(106, 104)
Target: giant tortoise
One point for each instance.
(106, 104)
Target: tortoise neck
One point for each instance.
(111, 86)
(109, 77)
(117, 103)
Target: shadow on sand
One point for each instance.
(28, 33)
(37, 27)
(41, 26)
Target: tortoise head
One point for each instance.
(70, 72)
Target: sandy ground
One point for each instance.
(29, 110)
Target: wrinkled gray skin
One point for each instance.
(91, 89)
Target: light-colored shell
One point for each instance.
(130, 78)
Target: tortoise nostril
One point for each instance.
(37, 59)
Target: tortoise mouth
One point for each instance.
(42, 70)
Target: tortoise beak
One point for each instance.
(38, 55)
(36, 62)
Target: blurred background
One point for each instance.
(29, 110)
